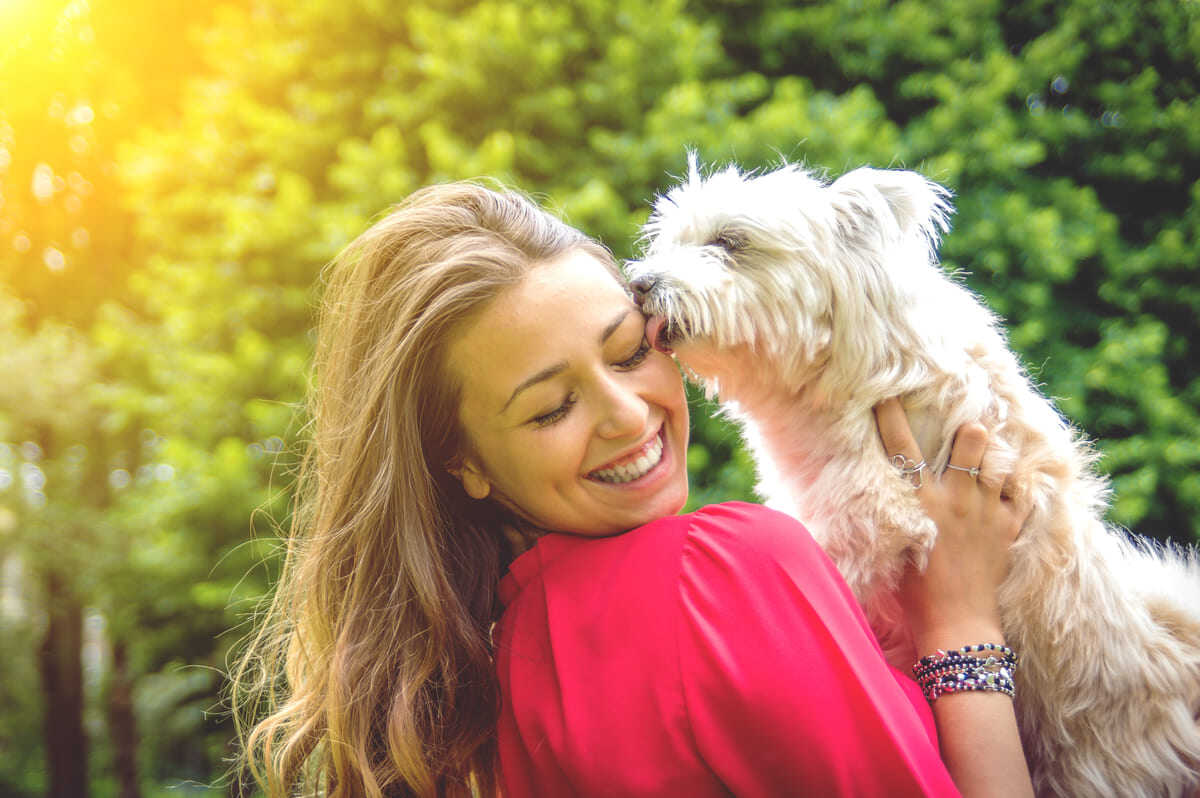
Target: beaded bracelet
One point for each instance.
(958, 671)
(938, 655)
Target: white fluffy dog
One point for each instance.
(802, 304)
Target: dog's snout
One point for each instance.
(643, 285)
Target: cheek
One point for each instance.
(559, 451)
(491, 450)
(666, 380)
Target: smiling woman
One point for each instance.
(383, 617)
(593, 436)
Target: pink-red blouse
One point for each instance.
(712, 654)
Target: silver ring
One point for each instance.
(973, 470)
(909, 469)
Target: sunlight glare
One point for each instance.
(10, 13)
(26, 22)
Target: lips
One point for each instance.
(633, 466)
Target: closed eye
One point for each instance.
(728, 240)
(557, 414)
(628, 364)
(637, 358)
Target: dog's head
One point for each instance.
(795, 269)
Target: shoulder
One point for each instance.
(635, 584)
(744, 516)
(727, 541)
(717, 562)
(737, 539)
(729, 567)
(750, 528)
(737, 558)
(753, 526)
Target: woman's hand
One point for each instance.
(953, 602)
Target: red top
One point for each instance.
(708, 654)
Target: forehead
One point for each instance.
(572, 276)
(561, 306)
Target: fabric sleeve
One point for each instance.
(786, 689)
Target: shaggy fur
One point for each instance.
(802, 304)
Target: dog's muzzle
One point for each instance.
(659, 330)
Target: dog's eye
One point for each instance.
(728, 241)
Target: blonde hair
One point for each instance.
(372, 673)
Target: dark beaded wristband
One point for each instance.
(958, 671)
(953, 662)
(991, 683)
(939, 655)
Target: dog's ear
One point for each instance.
(887, 225)
(911, 204)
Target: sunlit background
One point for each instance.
(174, 174)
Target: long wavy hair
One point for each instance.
(371, 671)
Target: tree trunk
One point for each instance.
(61, 663)
(122, 724)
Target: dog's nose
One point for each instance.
(643, 285)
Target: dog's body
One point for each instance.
(803, 305)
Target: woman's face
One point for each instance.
(574, 421)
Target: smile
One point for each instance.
(637, 467)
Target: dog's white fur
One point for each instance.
(802, 304)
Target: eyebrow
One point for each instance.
(561, 366)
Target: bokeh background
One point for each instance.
(173, 175)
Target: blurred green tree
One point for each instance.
(76, 80)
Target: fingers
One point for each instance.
(966, 454)
(898, 442)
(894, 431)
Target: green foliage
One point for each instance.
(719, 467)
(160, 372)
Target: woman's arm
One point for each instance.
(953, 603)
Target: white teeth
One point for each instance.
(628, 472)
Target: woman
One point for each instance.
(486, 392)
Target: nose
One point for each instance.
(642, 286)
(625, 412)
